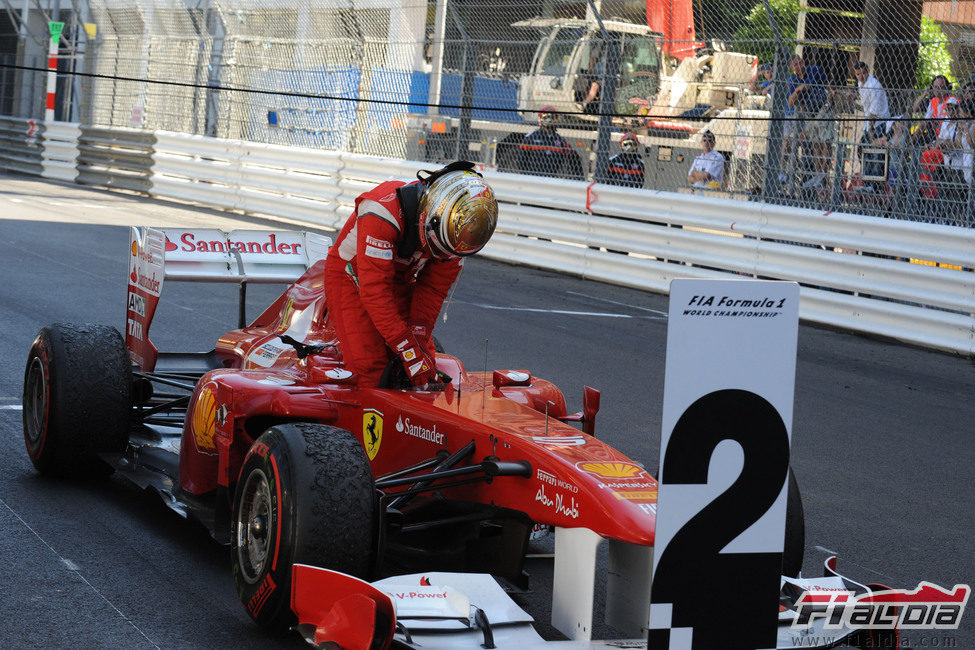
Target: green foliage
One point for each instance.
(755, 36)
(932, 54)
(719, 19)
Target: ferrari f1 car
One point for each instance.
(269, 442)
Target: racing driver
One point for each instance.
(394, 261)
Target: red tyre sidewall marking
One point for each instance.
(277, 535)
(45, 360)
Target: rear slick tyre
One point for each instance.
(77, 399)
(305, 496)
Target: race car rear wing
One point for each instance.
(207, 255)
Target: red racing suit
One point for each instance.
(375, 297)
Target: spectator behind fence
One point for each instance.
(967, 126)
(932, 101)
(809, 92)
(953, 141)
(873, 99)
(544, 152)
(626, 168)
(893, 136)
(707, 170)
(762, 83)
(587, 94)
(942, 175)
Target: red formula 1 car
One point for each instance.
(268, 441)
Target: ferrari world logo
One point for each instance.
(372, 431)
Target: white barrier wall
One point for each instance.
(856, 272)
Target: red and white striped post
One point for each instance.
(52, 68)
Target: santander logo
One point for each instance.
(417, 431)
(268, 244)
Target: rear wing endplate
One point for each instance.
(207, 255)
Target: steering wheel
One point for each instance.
(394, 376)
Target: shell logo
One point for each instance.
(616, 470)
(205, 419)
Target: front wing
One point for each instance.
(451, 611)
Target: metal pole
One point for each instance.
(52, 69)
(462, 148)
(607, 94)
(773, 145)
(900, 161)
(69, 96)
(912, 184)
(838, 177)
(436, 73)
(970, 208)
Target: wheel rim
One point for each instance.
(255, 517)
(35, 402)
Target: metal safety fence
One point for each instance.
(864, 106)
(905, 280)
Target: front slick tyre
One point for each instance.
(305, 496)
(77, 399)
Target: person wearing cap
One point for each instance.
(873, 99)
(762, 83)
(707, 170)
(627, 168)
(394, 261)
(544, 152)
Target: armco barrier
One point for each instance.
(247, 176)
(115, 158)
(20, 145)
(60, 152)
(856, 272)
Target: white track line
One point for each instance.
(71, 566)
(566, 312)
(614, 302)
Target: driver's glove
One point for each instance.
(418, 365)
(425, 339)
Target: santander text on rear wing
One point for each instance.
(206, 255)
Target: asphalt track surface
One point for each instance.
(883, 442)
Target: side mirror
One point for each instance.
(590, 406)
(556, 83)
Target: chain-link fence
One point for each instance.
(830, 104)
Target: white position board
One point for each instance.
(724, 459)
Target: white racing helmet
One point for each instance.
(457, 214)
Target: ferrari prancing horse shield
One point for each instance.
(372, 431)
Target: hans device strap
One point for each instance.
(409, 202)
(456, 166)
